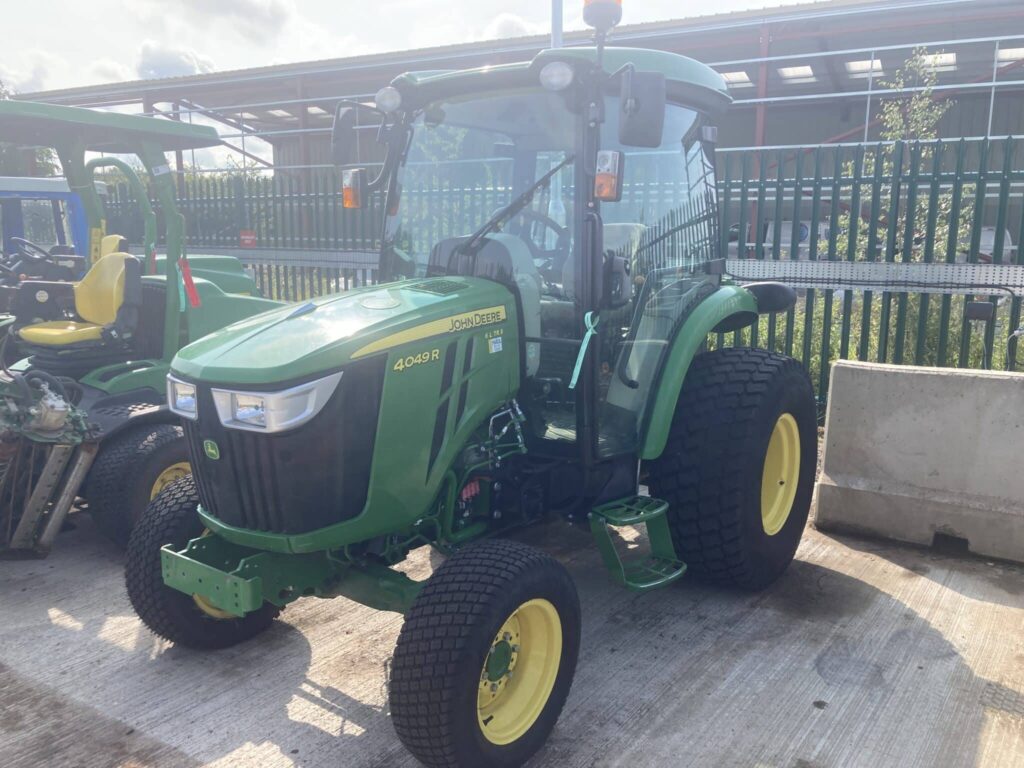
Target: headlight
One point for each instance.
(249, 409)
(181, 397)
(274, 411)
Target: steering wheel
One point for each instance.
(549, 261)
(30, 250)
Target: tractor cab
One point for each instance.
(584, 180)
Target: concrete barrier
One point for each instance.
(912, 453)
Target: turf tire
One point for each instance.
(446, 637)
(121, 480)
(710, 471)
(171, 519)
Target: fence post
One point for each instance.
(892, 223)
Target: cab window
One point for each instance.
(44, 222)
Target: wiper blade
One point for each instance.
(497, 221)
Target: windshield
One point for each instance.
(469, 159)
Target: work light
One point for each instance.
(181, 397)
(556, 76)
(388, 99)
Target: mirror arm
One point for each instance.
(358, 105)
(394, 154)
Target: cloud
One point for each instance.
(259, 20)
(437, 34)
(29, 72)
(160, 60)
(110, 71)
(510, 25)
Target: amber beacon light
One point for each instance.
(602, 15)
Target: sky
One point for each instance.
(64, 43)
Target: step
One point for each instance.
(632, 511)
(661, 566)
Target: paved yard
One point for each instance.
(864, 654)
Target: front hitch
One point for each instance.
(239, 580)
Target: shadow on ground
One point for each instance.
(824, 669)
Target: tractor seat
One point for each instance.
(106, 303)
(113, 244)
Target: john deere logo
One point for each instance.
(211, 449)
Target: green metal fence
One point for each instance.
(916, 202)
(939, 202)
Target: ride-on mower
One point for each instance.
(84, 413)
(518, 368)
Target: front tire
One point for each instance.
(486, 657)
(738, 469)
(183, 619)
(131, 469)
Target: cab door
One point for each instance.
(665, 227)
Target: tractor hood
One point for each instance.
(303, 340)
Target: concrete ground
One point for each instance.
(864, 654)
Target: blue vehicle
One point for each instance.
(44, 230)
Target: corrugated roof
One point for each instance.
(631, 32)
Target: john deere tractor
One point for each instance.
(535, 352)
(83, 413)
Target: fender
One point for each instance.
(728, 308)
(157, 414)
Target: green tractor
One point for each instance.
(536, 351)
(83, 412)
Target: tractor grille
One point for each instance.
(296, 481)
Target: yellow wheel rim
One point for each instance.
(205, 605)
(210, 610)
(168, 476)
(780, 475)
(519, 672)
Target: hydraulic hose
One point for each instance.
(56, 386)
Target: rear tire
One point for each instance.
(486, 657)
(738, 469)
(131, 469)
(171, 519)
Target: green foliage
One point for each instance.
(932, 228)
(908, 120)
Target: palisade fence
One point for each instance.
(957, 202)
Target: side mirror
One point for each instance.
(343, 136)
(642, 109)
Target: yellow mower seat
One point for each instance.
(61, 332)
(112, 244)
(98, 297)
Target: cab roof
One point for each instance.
(50, 125)
(38, 186)
(687, 79)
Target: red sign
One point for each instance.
(247, 238)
